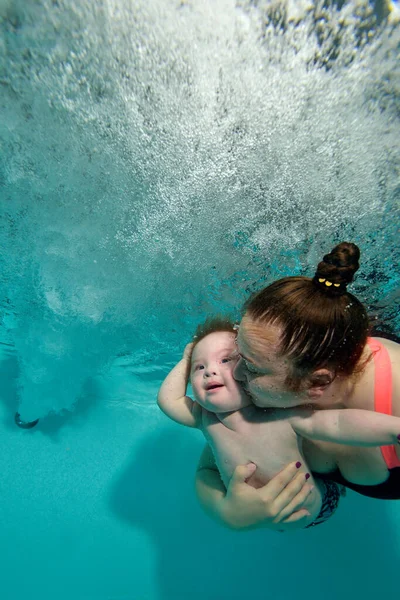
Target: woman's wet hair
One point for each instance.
(322, 324)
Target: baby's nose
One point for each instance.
(210, 372)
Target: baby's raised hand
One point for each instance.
(187, 353)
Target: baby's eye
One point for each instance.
(199, 367)
(226, 359)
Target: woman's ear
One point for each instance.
(318, 381)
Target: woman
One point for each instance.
(304, 342)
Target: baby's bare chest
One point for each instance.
(271, 446)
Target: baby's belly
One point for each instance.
(364, 466)
(227, 459)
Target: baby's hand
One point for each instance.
(187, 353)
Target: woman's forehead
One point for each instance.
(258, 338)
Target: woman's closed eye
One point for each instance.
(251, 368)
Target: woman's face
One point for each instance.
(263, 373)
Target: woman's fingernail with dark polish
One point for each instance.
(298, 465)
(307, 475)
(398, 437)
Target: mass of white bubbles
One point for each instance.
(161, 159)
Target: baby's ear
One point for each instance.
(319, 380)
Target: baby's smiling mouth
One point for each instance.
(213, 386)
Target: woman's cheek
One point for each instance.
(255, 386)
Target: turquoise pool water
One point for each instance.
(159, 161)
(100, 506)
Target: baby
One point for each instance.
(239, 432)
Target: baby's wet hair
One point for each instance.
(213, 324)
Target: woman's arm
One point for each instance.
(278, 505)
(172, 397)
(354, 427)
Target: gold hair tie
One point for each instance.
(328, 283)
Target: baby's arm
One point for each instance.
(350, 426)
(172, 397)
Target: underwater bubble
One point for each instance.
(161, 160)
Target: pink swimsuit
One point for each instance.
(383, 394)
(390, 488)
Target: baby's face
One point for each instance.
(211, 374)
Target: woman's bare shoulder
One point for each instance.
(392, 347)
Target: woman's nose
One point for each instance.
(238, 371)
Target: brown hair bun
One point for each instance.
(337, 268)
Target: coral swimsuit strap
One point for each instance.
(383, 394)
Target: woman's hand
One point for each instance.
(277, 505)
